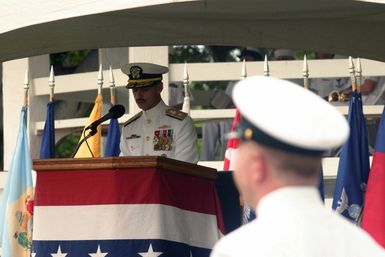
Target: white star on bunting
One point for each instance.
(150, 253)
(98, 253)
(59, 253)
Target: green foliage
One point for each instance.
(208, 85)
(202, 53)
(301, 53)
(190, 54)
(68, 62)
(66, 146)
(69, 59)
(224, 53)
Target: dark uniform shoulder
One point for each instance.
(133, 118)
(175, 113)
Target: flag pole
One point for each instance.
(235, 123)
(352, 175)
(26, 87)
(358, 75)
(352, 74)
(113, 136)
(16, 201)
(232, 144)
(247, 214)
(112, 87)
(305, 73)
(266, 70)
(186, 100)
(51, 84)
(92, 148)
(243, 70)
(100, 80)
(47, 146)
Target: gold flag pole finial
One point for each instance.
(243, 70)
(358, 75)
(26, 87)
(352, 74)
(305, 73)
(51, 84)
(112, 87)
(186, 100)
(266, 70)
(100, 80)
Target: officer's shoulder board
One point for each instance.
(133, 118)
(175, 113)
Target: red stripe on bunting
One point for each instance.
(140, 186)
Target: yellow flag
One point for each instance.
(94, 141)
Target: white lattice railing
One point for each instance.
(209, 72)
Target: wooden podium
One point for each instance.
(125, 206)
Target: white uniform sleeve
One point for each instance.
(220, 250)
(124, 150)
(186, 148)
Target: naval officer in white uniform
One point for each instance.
(277, 172)
(158, 130)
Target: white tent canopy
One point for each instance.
(37, 27)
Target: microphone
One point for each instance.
(115, 112)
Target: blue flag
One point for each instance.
(16, 205)
(353, 168)
(47, 148)
(113, 139)
(321, 185)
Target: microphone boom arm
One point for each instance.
(92, 132)
(115, 112)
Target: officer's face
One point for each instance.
(147, 97)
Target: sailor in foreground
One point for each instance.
(277, 172)
(158, 129)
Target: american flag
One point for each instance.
(373, 220)
(232, 145)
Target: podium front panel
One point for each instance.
(124, 212)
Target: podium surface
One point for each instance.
(125, 206)
(127, 162)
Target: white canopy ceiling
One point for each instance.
(338, 26)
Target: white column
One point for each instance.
(114, 57)
(13, 95)
(38, 67)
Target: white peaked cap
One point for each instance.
(283, 115)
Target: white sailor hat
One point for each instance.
(143, 74)
(280, 114)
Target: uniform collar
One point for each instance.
(154, 112)
(295, 199)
